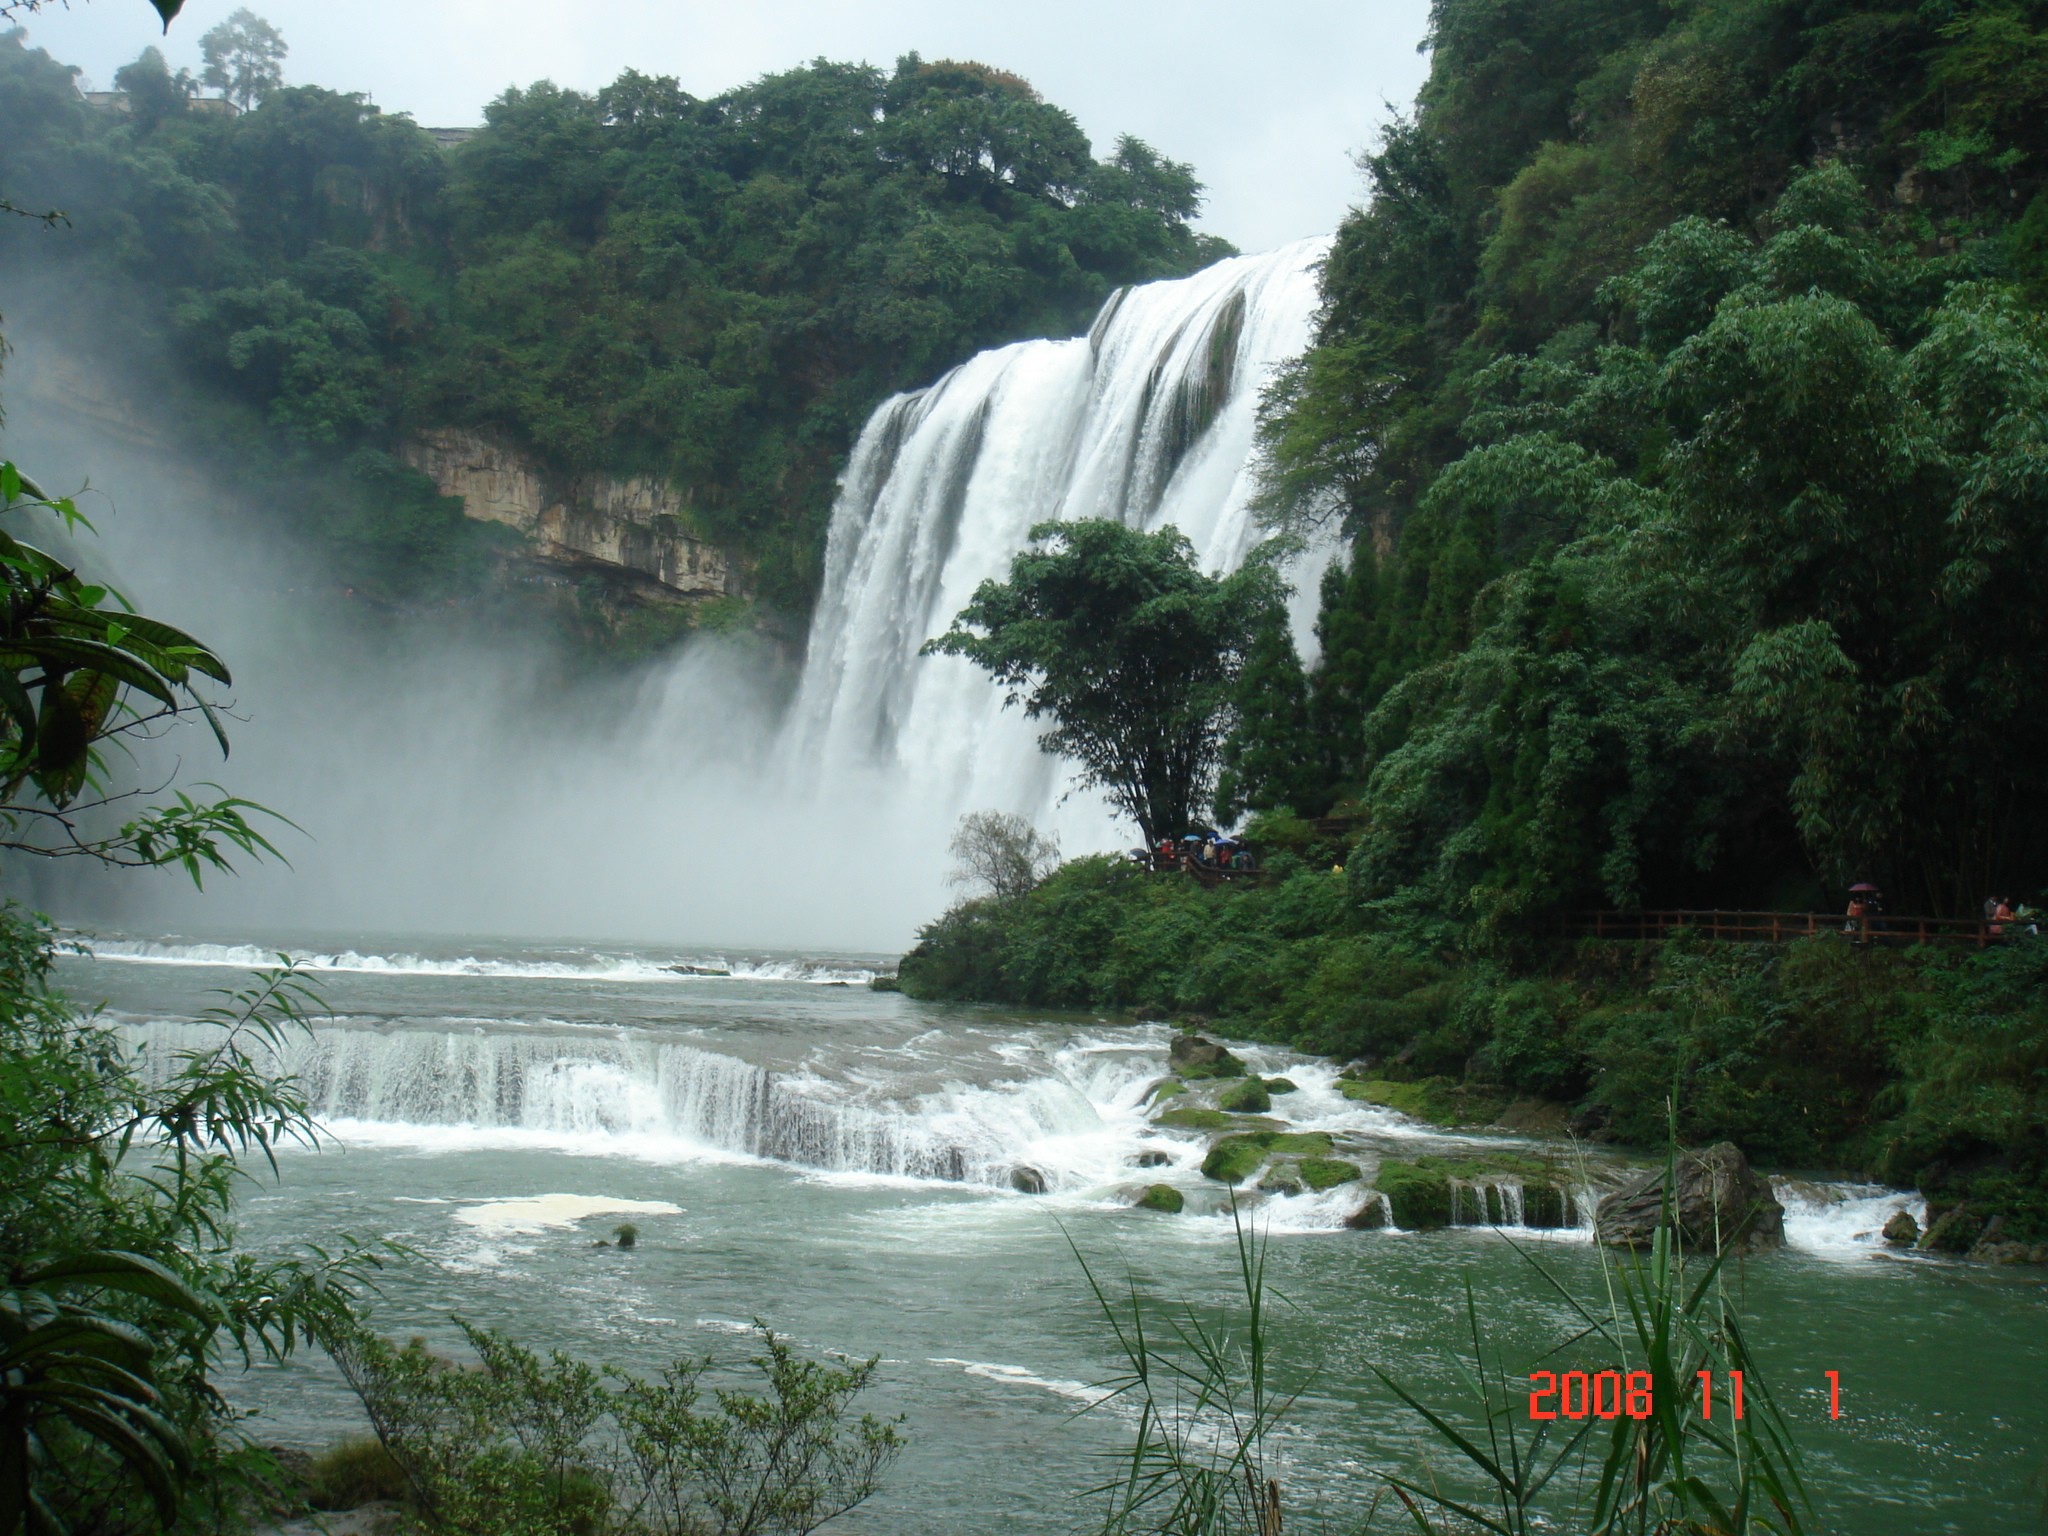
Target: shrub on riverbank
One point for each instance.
(1917, 1066)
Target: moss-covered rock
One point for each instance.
(1955, 1230)
(1236, 1158)
(1193, 1057)
(887, 983)
(1321, 1173)
(1279, 1085)
(1193, 1117)
(1161, 1197)
(1230, 1066)
(1245, 1098)
(1420, 1194)
(1168, 1088)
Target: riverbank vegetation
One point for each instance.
(633, 281)
(1917, 1067)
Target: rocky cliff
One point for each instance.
(627, 531)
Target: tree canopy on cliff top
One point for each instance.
(716, 291)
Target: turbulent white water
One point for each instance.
(1072, 1126)
(1147, 420)
(598, 967)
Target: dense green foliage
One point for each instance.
(1915, 1066)
(712, 292)
(1130, 650)
(526, 1446)
(1681, 387)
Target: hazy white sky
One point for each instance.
(1269, 101)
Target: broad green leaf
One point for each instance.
(118, 1271)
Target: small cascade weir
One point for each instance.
(1149, 420)
(637, 1088)
(1507, 1201)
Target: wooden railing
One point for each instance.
(1779, 927)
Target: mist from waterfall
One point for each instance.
(445, 785)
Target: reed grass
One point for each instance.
(1202, 1462)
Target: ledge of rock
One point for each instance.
(1717, 1199)
(629, 530)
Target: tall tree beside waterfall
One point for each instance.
(1130, 649)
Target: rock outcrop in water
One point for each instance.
(1191, 1056)
(1717, 1200)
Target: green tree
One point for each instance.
(1130, 651)
(1262, 768)
(153, 92)
(244, 58)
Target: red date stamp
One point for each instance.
(1613, 1394)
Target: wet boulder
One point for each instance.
(1192, 1056)
(1952, 1228)
(1027, 1180)
(1282, 1179)
(1321, 1173)
(1417, 1193)
(1153, 1158)
(1902, 1230)
(1248, 1097)
(1370, 1216)
(1717, 1200)
(1161, 1197)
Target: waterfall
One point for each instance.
(1148, 419)
(1069, 1127)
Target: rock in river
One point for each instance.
(1193, 1056)
(1027, 1180)
(1718, 1199)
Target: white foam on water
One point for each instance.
(1842, 1221)
(532, 1214)
(1019, 1376)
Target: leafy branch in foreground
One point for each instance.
(125, 1286)
(79, 668)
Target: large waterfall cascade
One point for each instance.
(1149, 419)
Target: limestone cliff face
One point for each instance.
(627, 530)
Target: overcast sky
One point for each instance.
(1269, 101)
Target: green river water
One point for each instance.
(839, 1162)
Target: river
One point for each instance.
(838, 1162)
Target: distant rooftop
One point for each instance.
(448, 138)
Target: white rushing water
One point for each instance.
(1148, 420)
